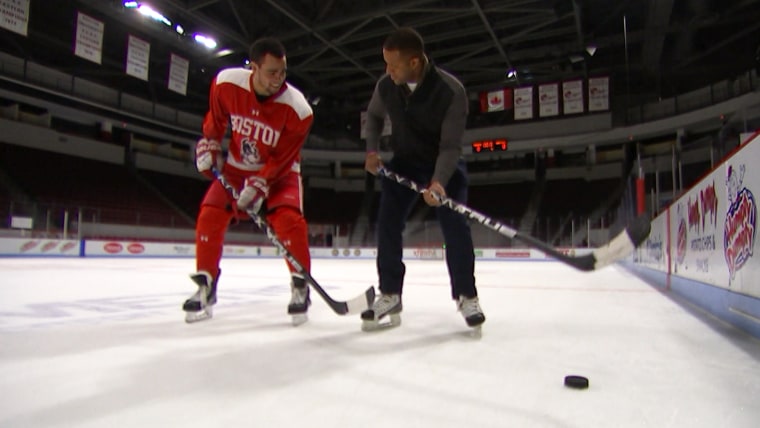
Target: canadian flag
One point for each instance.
(499, 100)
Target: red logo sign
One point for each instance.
(29, 245)
(681, 242)
(136, 248)
(112, 247)
(67, 246)
(516, 254)
(709, 201)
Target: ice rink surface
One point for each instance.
(103, 343)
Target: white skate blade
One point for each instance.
(476, 332)
(193, 317)
(393, 320)
(299, 319)
(205, 313)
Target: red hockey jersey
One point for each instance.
(266, 137)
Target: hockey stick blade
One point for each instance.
(623, 244)
(356, 305)
(618, 248)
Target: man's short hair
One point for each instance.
(266, 45)
(405, 40)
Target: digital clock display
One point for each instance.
(489, 146)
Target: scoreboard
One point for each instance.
(489, 146)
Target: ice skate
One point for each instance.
(299, 301)
(386, 305)
(200, 305)
(473, 315)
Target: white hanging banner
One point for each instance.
(572, 96)
(89, 38)
(524, 103)
(548, 100)
(138, 57)
(598, 94)
(178, 69)
(14, 15)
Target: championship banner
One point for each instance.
(178, 69)
(138, 58)
(524, 103)
(572, 96)
(89, 38)
(14, 15)
(598, 94)
(548, 100)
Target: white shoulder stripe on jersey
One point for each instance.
(295, 99)
(237, 76)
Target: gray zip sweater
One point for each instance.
(427, 123)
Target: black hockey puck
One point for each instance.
(577, 382)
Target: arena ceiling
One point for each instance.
(650, 48)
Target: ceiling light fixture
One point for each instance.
(149, 12)
(223, 52)
(205, 40)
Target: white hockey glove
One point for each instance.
(208, 154)
(255, 192)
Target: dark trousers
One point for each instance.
(396, 203)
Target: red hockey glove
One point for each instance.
(208, 153)
(255, 192)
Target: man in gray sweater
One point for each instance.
(428, 110)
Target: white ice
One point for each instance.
(103, 343)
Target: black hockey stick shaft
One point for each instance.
(618, 248)
(353, 306)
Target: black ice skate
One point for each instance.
(470, 309)
(200, 305)
(386, 305)
(299, 300)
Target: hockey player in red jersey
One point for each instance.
(270, 121)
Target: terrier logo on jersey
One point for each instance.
(249, 152)
(741, 221)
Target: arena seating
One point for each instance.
(110, 193)
(104, 192)
(574, 196)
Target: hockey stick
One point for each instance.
(354, 306)
(619, 247)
